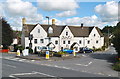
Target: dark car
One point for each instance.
(85, 50)
(67, 50)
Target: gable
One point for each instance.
(38, 31)
(95, 33)
(66, 29)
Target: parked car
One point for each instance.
(67, 50)
(85, 50)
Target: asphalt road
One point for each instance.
(89, 65)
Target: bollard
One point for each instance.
(47, 54)
(18, 53)
(74, 54)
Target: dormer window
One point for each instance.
(50, 30)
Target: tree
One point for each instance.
(7, 34)
(116, 39)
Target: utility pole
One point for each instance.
(108, 36)
(48, 27)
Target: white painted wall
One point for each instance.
(66, 38)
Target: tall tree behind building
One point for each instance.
(116, 39)
(7, 33)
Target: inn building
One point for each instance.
(59, 37)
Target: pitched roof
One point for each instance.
(77, 31)
(80, 31)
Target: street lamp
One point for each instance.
(48, 27)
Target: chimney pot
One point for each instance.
(53, 21)
(23, 21)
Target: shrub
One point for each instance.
(31, 50)
(103, 47)
(99, 49)
(116, 66)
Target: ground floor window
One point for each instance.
(35, 41)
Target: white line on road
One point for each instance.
(22, 59)
(43, 74)
(33, 72)
(10, 65)
(84, 64)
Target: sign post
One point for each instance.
(47, 54)
(74, 53)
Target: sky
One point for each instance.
(65, 12)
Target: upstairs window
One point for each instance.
(38, 30)
(94, 35)
(63, 42)
(66, 33)
(68, 42)
(56, 42)
(41, 40)
(97, 41)
(35, 41)
(50, 30)
(80, 42)
(88, 42)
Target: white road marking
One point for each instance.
(84, 64)
(33, 72)
(43, 74)
(22, 59)
(84, 55)
(32, 60)
(10, 65)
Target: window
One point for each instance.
(66, 33)
(97, 41)
(94, 34)
(80, 42)
(50, 30)
(68, 42)
(56, 42)
(88, 42)
(63, 42)
(38, 30)
(35, 41)
(41, 40)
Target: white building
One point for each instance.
(61, 37)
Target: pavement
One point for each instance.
(36, 57)
(96, 64)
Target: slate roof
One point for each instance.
(77, 31)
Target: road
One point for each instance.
(97, 64)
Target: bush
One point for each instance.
(30, 50)
(59, 54)
(103, 47)
(5, 47)
(116, 66)
(20, 48)
(99, 49)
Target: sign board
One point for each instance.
(47, 54)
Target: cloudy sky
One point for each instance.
(66, 12)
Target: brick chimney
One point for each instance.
(53, 21)
(82, 25)
(23, 21)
